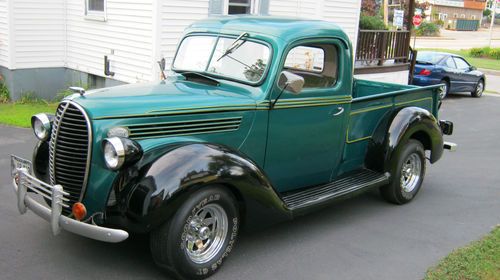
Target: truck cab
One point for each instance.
(258, 115)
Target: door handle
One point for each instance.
(340, 111)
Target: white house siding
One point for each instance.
(399, 77)
(175, 16)
(37, 33)
(345, 13)
(4, 34)
(126, 37)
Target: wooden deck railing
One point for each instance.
(378, 46)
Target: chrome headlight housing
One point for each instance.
(42, 124)
(119, 152)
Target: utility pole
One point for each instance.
(494, 7)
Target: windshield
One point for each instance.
(207, 54)
(429, 57)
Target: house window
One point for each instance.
(462, 16)
(473, 17)
(455, 15)
(235, 7)
(95, 9)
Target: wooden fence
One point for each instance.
(378, 46)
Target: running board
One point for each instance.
(346, 185)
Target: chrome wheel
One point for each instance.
(411, 172)
(479, 88)
(206, 233)
(443, 91)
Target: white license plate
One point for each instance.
(19, 163)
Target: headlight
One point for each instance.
(120, 151)
(41, 124)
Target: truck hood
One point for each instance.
(164, 97)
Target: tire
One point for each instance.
(169, 243)
(446, 90)
(404, 186)
(478, 91)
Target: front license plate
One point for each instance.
(19, 163)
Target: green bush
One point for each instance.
(495, 53)
(4, 93)
(371, 23)
(427, 29)
(476, 52)
(485, 52)
(486, 13)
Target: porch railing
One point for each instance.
(377, 46)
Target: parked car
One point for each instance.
(451, 70)
(262, 116)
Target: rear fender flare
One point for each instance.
(396, 129)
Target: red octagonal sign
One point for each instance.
(417, 20)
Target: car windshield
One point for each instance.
(430, 57)
(245, 61)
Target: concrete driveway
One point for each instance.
(361, 238)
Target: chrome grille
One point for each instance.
(69, 150)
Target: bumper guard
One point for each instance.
(23, 181)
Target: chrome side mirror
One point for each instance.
(291, 82)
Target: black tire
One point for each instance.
(398, 192)
(447, 89)
(168, 242)
(479, 89)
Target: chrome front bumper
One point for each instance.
(23, 181)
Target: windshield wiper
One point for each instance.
(234, 46)
(198, 77)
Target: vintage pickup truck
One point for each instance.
(259, 115)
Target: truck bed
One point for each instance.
(373, 102)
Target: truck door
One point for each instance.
(306, 131)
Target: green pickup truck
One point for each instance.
(260, 117)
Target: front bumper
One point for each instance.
(24, 181)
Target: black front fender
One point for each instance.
(149, 195)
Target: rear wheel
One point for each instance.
(408, 170)
(478, 91)
(194, 243)
(445, 90)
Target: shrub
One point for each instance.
(476, 52)
(486, 13)
(371, 23)
(495, 53)
(4, 92)
(427, 29)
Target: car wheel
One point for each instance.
(194, 243)
(478, 91)
(445, 90)
(407, 170)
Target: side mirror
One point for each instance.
(291, 82)
(472, 68)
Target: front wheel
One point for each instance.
(194, 243)
(407, 170)
(478, 91)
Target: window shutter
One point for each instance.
(216, 7)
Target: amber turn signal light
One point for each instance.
(79, 211)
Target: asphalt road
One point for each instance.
(361, 238)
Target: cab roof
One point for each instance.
(285, 28)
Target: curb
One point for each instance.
(490, 72)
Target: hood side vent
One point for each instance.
(181, 128)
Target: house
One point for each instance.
(45, 46)
(449, 10)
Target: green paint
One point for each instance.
(306, 139)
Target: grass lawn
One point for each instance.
(478, 260)
(20, 114)
(485, 63)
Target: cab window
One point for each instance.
(316, 63)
